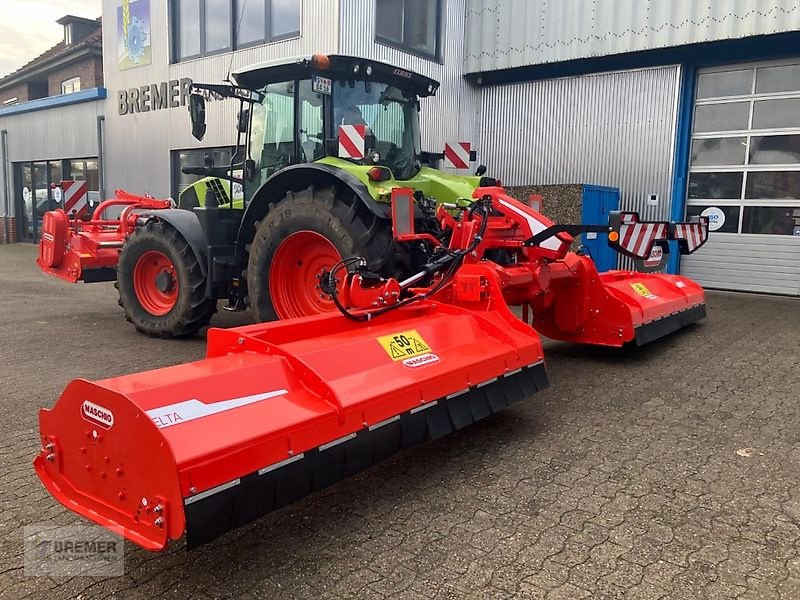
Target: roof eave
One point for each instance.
(30, 72)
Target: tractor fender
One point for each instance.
(294, 178)
(188, 225)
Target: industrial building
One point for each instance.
(687, 108)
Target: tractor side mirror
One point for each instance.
(244, 120)
(197, 111)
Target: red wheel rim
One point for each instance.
(155, 283)
(295, 275)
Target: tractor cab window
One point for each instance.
(311, 136)
(272, 129)
(391, 118)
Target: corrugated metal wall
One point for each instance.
(138, 145)
(62, 132)
(511, 33)
(55, 133)
(452, 114)
(615, 129)
(748, 263)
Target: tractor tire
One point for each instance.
(302, 235)
(161, 286)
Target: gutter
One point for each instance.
(101, 172)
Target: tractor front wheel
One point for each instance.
(160, 283)
(300, 239)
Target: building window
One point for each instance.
(202, 27)
(71, 85)
(744, 171)
(413, 25)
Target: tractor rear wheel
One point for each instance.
(160, 283)
(301, 237)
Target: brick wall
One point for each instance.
(12, 230)
(89, 70)
(18, 91)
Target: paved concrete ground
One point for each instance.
(671, 471)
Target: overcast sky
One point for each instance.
(28, 27)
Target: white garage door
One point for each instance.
(745, 174)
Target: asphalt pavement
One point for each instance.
(671, 471)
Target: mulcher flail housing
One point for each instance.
(278, 410)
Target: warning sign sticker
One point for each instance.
(403, 345)
(640, 289)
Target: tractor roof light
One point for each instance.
(321, 62)
(368, 70)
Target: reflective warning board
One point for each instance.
(404, 345)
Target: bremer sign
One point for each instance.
(156, 96)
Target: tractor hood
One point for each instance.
(444, 187)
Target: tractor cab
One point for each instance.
(329, 108)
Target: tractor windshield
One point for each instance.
(391, 118)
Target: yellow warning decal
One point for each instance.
(641, 289)
(405, 344)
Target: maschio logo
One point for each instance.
(48, 237)
(97, 414)
(421, 361)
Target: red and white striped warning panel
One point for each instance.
(76, 196)
(352, 141)
(637, 238)
(691, 236)
(457, 155)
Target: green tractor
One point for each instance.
(302, 206)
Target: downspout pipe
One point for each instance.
(101, 162)
(6, 193)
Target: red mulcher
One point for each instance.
(278, 410)
(75, 248)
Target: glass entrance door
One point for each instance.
(38, 190)
(45, 196)
(24, 201)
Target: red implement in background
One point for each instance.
(77, 249)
